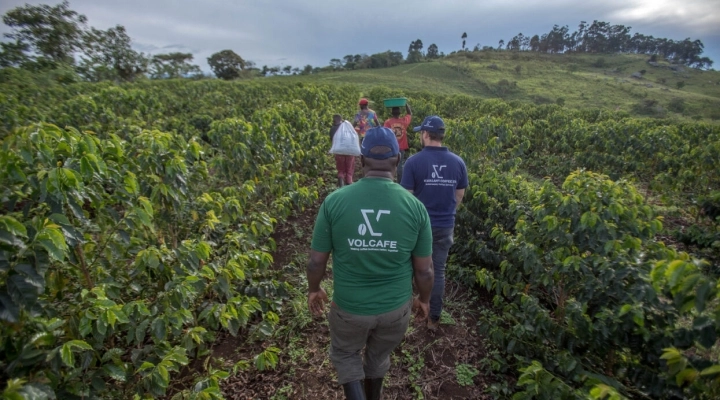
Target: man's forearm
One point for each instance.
(458, 197)
(424, 284)
(315, 272)
(408, 110)
(423, 276)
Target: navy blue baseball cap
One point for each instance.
(380, 137)
(432, 123)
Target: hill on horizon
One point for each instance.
(580, 81)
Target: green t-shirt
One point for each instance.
(373, 228)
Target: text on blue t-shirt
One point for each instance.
(433, 175)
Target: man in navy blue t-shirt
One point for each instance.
(438, 178)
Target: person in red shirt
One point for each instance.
(399, 125)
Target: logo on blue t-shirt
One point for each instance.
(436, 171)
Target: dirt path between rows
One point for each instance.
(425, 365)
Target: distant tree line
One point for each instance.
(47, 37)
(602, 37)
(385, 59)
(598, 37)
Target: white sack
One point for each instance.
(346, 141)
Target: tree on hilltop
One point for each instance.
(173, 65)
(335, 63)
(108, 55)
(415, 51)
(432, 51)
(415, 45)
(51, 33)
(349, 62)
(227, 64)
(603, 37)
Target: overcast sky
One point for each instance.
(293, 32)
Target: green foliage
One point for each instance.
(538, 383)
(173, 65)
(711, 206)
(464, 374)
(267, 359)
(446, 318)
(207, 387)
(131, 237)
(53, 33)
(123, 252)
(432, 52)
(568, 265)
(677, 105)
(108, 55)
(505, 87)
(700, 236)
(543, 75)
(649, 107)
(415, 364)
(602, 391)
(226, 64)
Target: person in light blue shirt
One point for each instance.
(438, 178)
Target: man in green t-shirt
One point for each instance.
(380, 238)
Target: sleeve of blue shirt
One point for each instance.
(463, 182)
(407, 180)
(423, 246)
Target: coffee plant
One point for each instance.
(136, 224)
(127, 241)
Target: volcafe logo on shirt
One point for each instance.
(436, 171)
(367, 226)
(437, 179)
(371, 217)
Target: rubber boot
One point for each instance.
(373, 388)
(341, 182)
(354, 390)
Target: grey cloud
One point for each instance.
(300, 32)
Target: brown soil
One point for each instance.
(425, 362)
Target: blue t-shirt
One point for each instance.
(433, 175)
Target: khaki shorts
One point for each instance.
(378, 335)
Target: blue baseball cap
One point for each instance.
(379, 137)
(432, 123)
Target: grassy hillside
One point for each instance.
(438, 77)
(577, 81)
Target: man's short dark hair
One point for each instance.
(380, 150)
(386, 164)
(436, 136)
